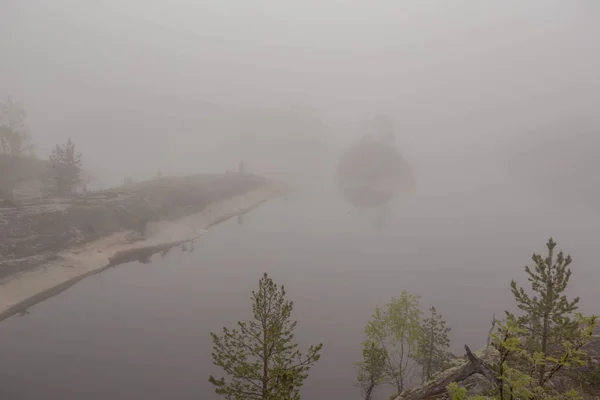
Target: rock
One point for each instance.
(476, 385)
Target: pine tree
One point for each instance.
(66, 167)
(541, 353)
(548, 312)
(371, 371)
(260, 358)
(433, 354)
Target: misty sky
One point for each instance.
(456, 75)
(496, 105)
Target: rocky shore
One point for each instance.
(49, 244)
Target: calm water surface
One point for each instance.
(141, 331)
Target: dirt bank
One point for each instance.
(60, 251)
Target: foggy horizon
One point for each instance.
(448, 74)
(494, 148)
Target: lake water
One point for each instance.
(141, 331)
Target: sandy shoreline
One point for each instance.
(21, 291)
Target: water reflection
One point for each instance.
(24, 312)
(144, 256)
(188, 247)
(142, 331)
(165, 252)
(382, 217)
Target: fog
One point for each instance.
(495, 103)
(161, 84)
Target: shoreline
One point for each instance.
(21, 291)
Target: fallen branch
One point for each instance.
(439, 384)
(489, 337)
(481, 366)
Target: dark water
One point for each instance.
(141, 331)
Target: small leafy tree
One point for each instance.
(260, 357)
(456, 392)
(510, 381)
(14, 135)
(397, 331)
(372, 370)
(432, 353)
(66, 167)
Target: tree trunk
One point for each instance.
(430, 356)
(438, 386)
(369, 391)
(265, 356)
(401, 371)
(546, 322)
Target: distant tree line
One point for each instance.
(15, 138)
(64, 166)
